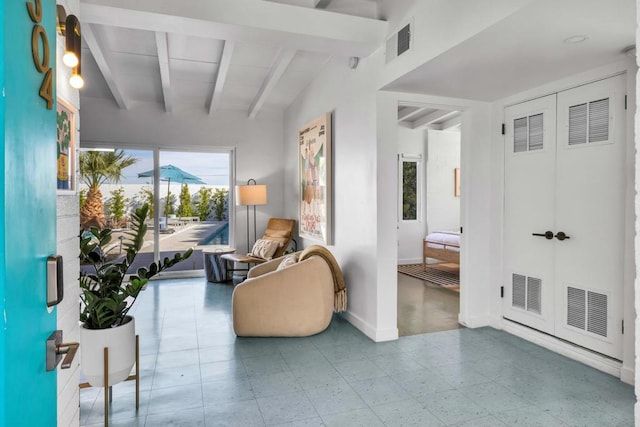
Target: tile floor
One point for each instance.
(195, 372)
(424, 307)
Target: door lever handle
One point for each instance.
(69, 349)
(547, 235)
(562, 236)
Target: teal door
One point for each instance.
(27, 214)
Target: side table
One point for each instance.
(215, 267)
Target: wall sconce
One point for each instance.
(69, 26)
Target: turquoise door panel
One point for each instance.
(27, 220)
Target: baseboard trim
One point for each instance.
(377, 335)
(628, 375)
(596, 361)
(473, 322)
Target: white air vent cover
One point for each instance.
(528, 133)
(400, 43)
(587, 310)
(589, 122)
(526, 293)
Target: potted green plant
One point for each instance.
(107, 296)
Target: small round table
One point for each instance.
(215, 267)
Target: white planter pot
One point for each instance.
(121, 342)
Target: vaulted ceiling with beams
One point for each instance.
(192, 54)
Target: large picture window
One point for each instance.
(410, 173)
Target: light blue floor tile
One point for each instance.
(377, 391)
(358, 418)
(406, 413)
(532, 417)
(489, 421)
(171, 399)
(323, 376)
(310, 422)
(122, 407)
(176, 376)
(358, 370)
(335, 399)
(243, 413)
(421, 383)
(265, 365)
(228, 369)
(217, 353)
(286, 407)
(494, 397)
(188, 418)
(274, 384)
(393, 364)
(452, 407)
(226, 390)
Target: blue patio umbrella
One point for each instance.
(173, 173)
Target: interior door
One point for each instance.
(529, 260)
(590, 210)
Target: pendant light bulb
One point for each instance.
(70, 59)
(76, 81)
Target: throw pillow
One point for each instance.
(264, 248)
(287, 261)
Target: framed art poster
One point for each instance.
(66, 149)
(314, 158)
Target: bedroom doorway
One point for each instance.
(428, 205)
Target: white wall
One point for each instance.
(257, 143)
(351, 96)
(410, 233)
(443, 207)
(68, 220)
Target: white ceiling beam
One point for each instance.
(279, 66)
(452, 123)
(103, 64)
(430, 119)
(291, 27)
(221, 76)
(407, 113)
(162, 45)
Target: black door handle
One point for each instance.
(562, 236)
(547, 235)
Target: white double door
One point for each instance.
(564, 214)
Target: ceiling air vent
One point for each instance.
(399, 43)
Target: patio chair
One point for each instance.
(278, 230)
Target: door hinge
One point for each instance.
(622, 326)
(501, 291)
(460, 230)
(503, 129)
(625, 102)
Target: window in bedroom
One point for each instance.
(409, 169)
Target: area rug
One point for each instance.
(445, 275)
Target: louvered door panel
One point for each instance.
(529, 207)
(590, 189)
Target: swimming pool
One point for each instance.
(218, 237)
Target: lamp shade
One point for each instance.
(251, 195)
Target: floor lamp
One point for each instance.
(251, 194)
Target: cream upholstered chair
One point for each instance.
(298, 299)
(279, 230)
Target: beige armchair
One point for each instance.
(295, 301)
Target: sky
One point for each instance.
(212, 168)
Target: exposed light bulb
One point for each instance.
(76, 81)
(70, 59)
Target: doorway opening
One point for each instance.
(429, 219)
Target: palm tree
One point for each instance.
(96, 168)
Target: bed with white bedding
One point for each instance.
(443, 246)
